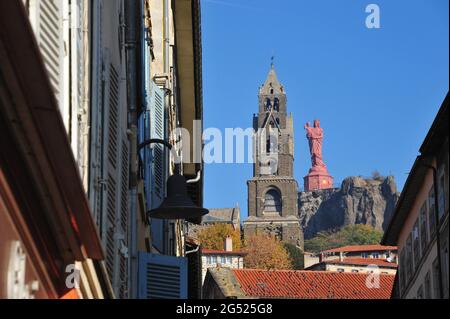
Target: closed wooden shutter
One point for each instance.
(124, 222)
(151, 125)
(46, 17)
(162, 277)
(156, 166)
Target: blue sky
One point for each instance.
(376, 91)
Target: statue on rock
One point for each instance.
(318, 176)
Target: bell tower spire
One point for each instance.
(272, 192)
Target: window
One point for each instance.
(420, 292)
(364, 255)
(355, 270)
(436, 293)
(208, 259)
(222, 260)
(268, 104)
(276, 104)
(229, 260)
(340, 270)
(441, 193)
(416, 244)
(423, 227)
(375, 255)
(431, 212)
(409, 258)
(214, 259)
(444, 265)
(272, 201)
(402, 269)
(428, 285)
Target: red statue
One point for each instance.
(318, 176)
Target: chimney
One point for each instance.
(320, 257)
(228, 244)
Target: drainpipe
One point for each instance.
(436, 212)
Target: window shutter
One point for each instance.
(162, 277)
(46, 17)
(157, 165)
(123, 247)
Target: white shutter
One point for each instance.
(46, 18)
(158, 162)
(157, 130)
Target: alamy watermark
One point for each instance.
(373, 19)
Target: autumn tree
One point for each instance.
(359, 234)
(265, 252)
(213, 237)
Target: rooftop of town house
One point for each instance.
(222, 252)
(310, 284)
(362, 261)
(360, 248)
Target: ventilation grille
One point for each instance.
(163, 281)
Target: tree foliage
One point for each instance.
(349, 235)
(296, 256)
(265, 252)
(213, 237)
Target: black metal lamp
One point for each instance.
(177, 204)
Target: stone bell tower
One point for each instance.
(273, 191)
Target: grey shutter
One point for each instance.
(124, 222)
(46, 18)
(158, 165)
(162, 277)
(110, 155)
(157, 130)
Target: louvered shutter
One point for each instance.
(157, 163)
(123, 222)
(162, 277)
(110, 155)
(46, 17)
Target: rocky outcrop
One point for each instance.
(358, 201)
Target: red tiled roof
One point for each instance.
(360, 248)
(311, 284)
(222, 252)
(362, 261)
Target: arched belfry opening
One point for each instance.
(272, 201)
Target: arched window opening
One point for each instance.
(276, 104)
(268, 104)
(272, 201)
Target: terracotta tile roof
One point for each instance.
(310, 284)
(362, 261)
(356, 248)
(221, 252)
